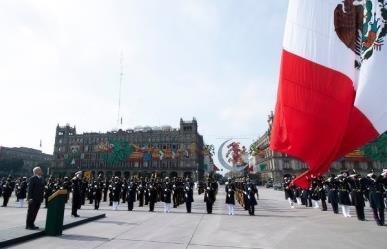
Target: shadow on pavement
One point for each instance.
(83, 237)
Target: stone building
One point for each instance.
(142, 151)
(30, 157)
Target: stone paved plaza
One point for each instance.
(274, 226)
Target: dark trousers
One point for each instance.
(141, 200)
(246, 201)
(5, 201)
(360, 212)
(324, 205)
(130, 205)
(75, 207)
(310, 202)
(251, 209)
(188, 205)
(175, 201)
(209, 207)
(335, 207)
(104, 196)
(379, 217)
(96, 204)
(151, 206)
(33, 208)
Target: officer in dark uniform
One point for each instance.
(116, 191)
(124, 188)
(288, 189)
(333, 192)
(376, 192)
(90, 191)
(2, 180)
(230, 197)
(22, 191)
(188, 194)
(152, 195)
(7, 191)
(105, 189)
(97, 188)
(209, 195)
(357, 195)
(140, 192)
(344, 190)
(66, 185)
(322, 193)
(76, 186)
(251, 191)
(146, 194)
(167, 195)
(315, 192)
(131, 193)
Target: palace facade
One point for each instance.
(142, 151)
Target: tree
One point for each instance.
(376, 149)
(8, 166)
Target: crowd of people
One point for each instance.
(117, 191)
(345, 190)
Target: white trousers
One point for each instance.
(315, 204)
(346, 210)
(115, 205)
(21, 203)
(167, 207)
(231, 209)
(299, 201)
(291, 202)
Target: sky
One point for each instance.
(216, 60)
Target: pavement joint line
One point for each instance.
(154, 241)
(223, 246)
(193, 234)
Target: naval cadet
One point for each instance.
(230, 197)
(7, 191)
(188, 194)
(131, 193)
(167, 195)
(209, 195)
(376, 198)
(251, 191)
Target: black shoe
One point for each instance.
(75, 215)
(32, 227)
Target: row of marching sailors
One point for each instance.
(345, 190)
(244, 191)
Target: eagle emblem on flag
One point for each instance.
(361, 26)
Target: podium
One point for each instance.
(55, 213)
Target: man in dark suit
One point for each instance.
(35, 191)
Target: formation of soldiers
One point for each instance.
(246, 193)
(144, 191)
(8, 185)
(345, 190)
(117, 191)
